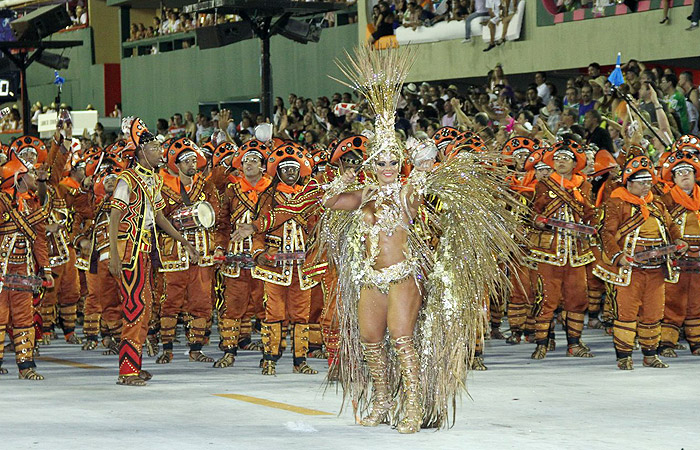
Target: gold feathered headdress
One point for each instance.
(378, 75)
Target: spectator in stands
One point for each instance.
(133, 33)
(571, 98)
(401, 13)
(694, 17)
(448, 119)
(595, 134)
(568, 118)
(685, 82)
(205, 130)
(157, 27)
(177, 127)
(593, 70)
(14, 120)
(587, 103)
(479, 11)
(172, 23)
(542, 88)
(598, 87)
(494, 9)
(191, 126)
(414, 19)
(533, 101)
(497, 78)
(459, 10)
(162, 129)
(675, 100)
(384, 23)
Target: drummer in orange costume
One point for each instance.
(188, 283)
(240, 204)
(522, 183)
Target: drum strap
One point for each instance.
(185, 196)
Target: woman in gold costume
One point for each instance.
(380, 237)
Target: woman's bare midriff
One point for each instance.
(391, 247)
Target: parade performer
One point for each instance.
(682, 308)
(561, 253)
(188, 281)
(522, 183)
(240, 205)
(635, 222)
(102, 308)
(288, 212)
(432, 304)
(136, 208)
(23, 244)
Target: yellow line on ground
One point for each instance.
(66, 362)
(271, 404)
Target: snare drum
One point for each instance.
(198, 215)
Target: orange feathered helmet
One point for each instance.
(184, 148)
(568, 147)
(222, 152)
(258, 148)
(635, 168)
(520, 144)
(688, 143)
(534, 161)
(604, 163)
(356, 144)
(443, 136)
(288, 151)
(679, 160)
(29, 143)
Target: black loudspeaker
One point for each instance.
(41, 23)
(224, 34)
(56, 62)
(302, 32)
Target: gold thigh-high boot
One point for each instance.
(410, 381)
(375, 356)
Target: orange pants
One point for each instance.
(640, 307)
(596, 289)
(564, 285)
(287, 302)
(187, 291)
(136, 293)
(282, 303)
(682, 308)
(521, 298)
(240, 297)
(16, 310)
(102, 303)
(65, 294)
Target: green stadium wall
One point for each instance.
(159, 85)
(84, 80)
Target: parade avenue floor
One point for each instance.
(558, 403)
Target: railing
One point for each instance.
(161, 44)
(177, 41)
(549, 14)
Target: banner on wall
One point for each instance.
(82, 120)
